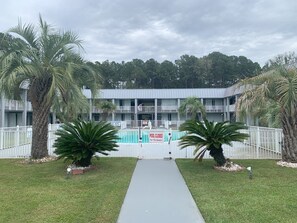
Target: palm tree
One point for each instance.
(278, 87)
(211, 136)
(48, 61)
(264, 114)
(107, 108)
(193, 106)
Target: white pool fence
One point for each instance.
(263, 143)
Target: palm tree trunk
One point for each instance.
(218, 155)
(41, 109)
(40, 131)
(289, 149)
(85, 162)
(104, 116)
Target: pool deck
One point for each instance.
(158, 194)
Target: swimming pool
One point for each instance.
(147, 136)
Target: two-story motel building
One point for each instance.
(135, 107)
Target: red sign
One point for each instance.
(156, 137)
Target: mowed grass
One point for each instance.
(271, 196)
(41, 192)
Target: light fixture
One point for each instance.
(249, 169)
(68, 171)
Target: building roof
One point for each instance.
(164, 93)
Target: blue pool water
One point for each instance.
(132, 136)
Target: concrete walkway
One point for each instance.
(158, 194)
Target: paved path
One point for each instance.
(158, 194)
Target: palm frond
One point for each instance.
(273, 89)
(26, 32)
(200, 154)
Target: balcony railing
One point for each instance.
(145, 109)
(231, 108)
(119, 109)
(170, 108)
(29, 106)
(14, 105)
(160, 109)
(144, 124)
(214, 108)
(125, 109)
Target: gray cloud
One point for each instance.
(161, 29)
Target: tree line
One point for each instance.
(214, 70)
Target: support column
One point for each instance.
(91, 109)
(228, 109)
(236, 99)
(135, 113)
(225, 109)
(54, 117)
(25, 110)
(113, 112)
(200, 116)
(178, 115)
(156, 112)
(2, 118)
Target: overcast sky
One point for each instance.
(121, 30)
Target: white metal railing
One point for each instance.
(214, 108)
(230, 108)
(159, 124)
(123, 109)
(162, 109)
(263, 143)
(167, 108)
(14, 105)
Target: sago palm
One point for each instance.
(80, 140)
(47, 60)
(210, 136)
(278, 87)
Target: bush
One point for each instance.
(211, 136)
(80, 140)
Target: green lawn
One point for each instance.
(271, 196)
(41, 193)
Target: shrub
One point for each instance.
(80, 140)
(211, 136)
